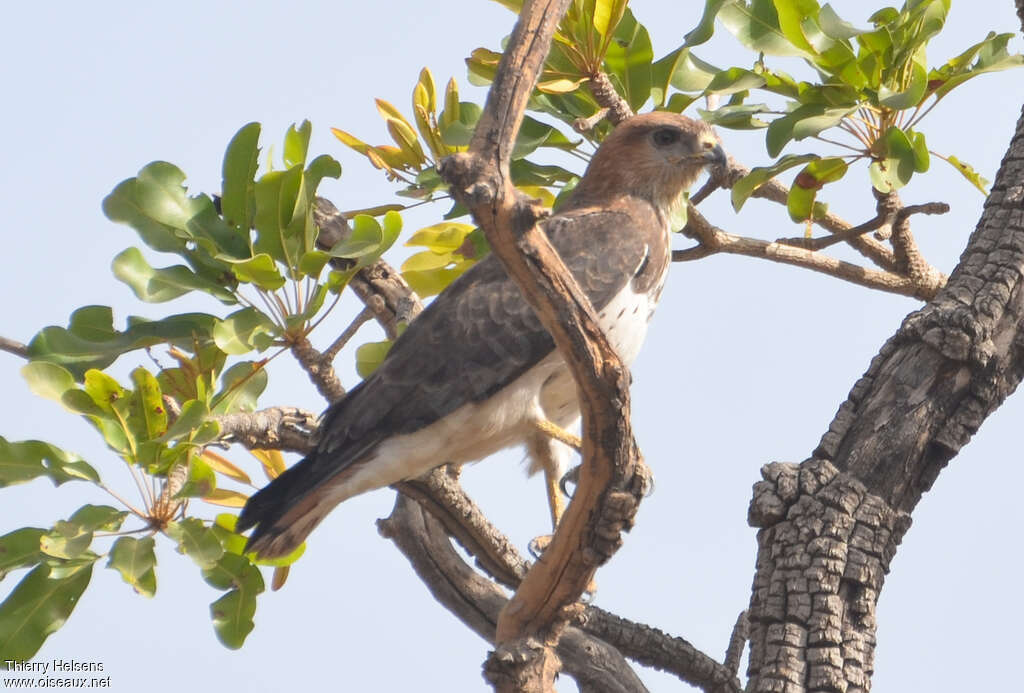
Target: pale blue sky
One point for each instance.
(745, 363)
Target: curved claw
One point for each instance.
(570, 477)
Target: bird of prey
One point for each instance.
(476, 371)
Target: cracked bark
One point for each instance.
(830, 526)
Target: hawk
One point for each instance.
(476, 371)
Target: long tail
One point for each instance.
(281, 519)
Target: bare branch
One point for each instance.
(13, 347)
(653, 648)
(364, 316)
(319, 368)
(737, 641)
(714, 240)
(596, 666)
(276, 428)
(585, 125)
(606, 96)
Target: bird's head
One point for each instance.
(656, 156)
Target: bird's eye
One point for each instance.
(709, 145)
(665, 137)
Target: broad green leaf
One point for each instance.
(296, 144)
(816, 174)
(19, 549)
(756, 26)
(165, 284)
(745, 186)
(70, 539)
(196, 541)
(260, 270)
(738, 117)
(244, 331)
(90, 340)
(834, 26)
(804, 121)
(277, 193)
(705, 28)
(241, 160)
(150, 403)
(792, 15)
(992, 56)
(629, 58)
(968, 172)
(232, 614)
(908, 97)
(102, 389)
(26, 460)
(47, 380)
(135, 560)
(682, 70)
(370, 355)
(894, 163)
(37, 607)
(193, 414)
(201, 480)
(733, 80)
(922, 160)
(241, 386)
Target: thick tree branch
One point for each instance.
(276, 428)
(612, 480)
(831, 525)
(714, 240)
(477, 602)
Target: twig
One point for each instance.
(319, 369)
(332, 351)
(585, 125)
(714, 240)
(277, 428)
(737, 641)
(606, 96)
(13, 347)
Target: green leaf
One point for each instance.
(232, 614)
(241, 160)
(260, 270)
(19, 549)
(135, 560)
(705, 28)
(894, 161)
(102, 389)
(910, 96)
(150, 404)
(196, 541)
(296, 144)
(756, 26)
(801, 201)
(738, 117)
(733, 80)
(836, 27)
(922, 160)
(804, 121)
(682, 70)
(968, 172)
(629, 57)
(244, 331)
(370, 355)
(38, 606)
(745, 186)
(26, 460)
(241, 386)
(47, 380)
(90, 340)
(193, 414)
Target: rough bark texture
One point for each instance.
(830, 526)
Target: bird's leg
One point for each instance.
(558, 433)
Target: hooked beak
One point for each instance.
(716, 157)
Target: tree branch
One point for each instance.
(613, 477)
(276, 428)
(13, 347)
(830, 526)
(319, 368)
(714, 240)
